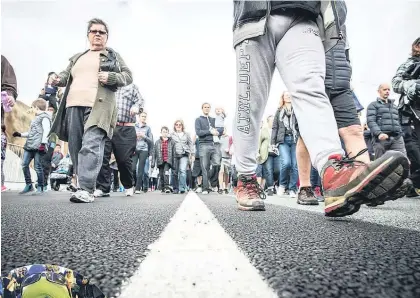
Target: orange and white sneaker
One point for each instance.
(348, 183)
(249, 194)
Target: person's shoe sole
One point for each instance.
(75, 199)
(399, 193)
(383, 182)
(313, 203)
(256, 206)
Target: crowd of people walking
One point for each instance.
(336, 157)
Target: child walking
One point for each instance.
(36, 146)
(163, 157)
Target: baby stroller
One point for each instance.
(62, 175)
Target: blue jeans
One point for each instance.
(270, 171)
(146, 175)
(315, 179)
(180, 173)
(288, 164)
(28, 156)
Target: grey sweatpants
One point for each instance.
(90, 157)
(86, 147)
(293, 45)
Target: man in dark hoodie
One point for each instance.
(383, 121)
(285, 34)
(206, 131)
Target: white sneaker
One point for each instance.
(129, 192)
(292, 194)
(138, 192)
(205, 192)
(199, 190)
(82, 196)
(99, 193)
(281, 190)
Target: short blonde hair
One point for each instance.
(40, 103)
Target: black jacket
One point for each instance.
(252, 11)
(383, 118)
(202, 129)
(278, 131)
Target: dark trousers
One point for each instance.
(139, 162)
(393, 143)
(115, 180)
(123, 144)
(164, 175)
(208, 157)
(153, 183)
(46, 165)
(413, 154)
(28, 156)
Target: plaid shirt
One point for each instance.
(128, 97)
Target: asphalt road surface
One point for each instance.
(154, 245)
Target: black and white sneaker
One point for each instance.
(82, 196)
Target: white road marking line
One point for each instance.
(195, 257)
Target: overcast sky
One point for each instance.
(180, 52)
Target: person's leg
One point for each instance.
(166, 169)
(103, 182)
(205, 165)
(221, 177)
(76, 118)
(143, 155)
(227, 178)
(2, 172)
(293, 168)
(380, 148)
(397, 144)
(39, 172)
(27, 158)
(89, 164)
(161, 177)
(182, 171)
(255, 60)
(46, 165)
(215, 158)
(315, 180)
(304, 164)
(268, 173)
(348, 122)
(146, 175)
(124, 145)
(300, 59)
(196, 172)
(276, 171)
(285, 166)
(305, 194)
(347, 184)
(175, 175)
(134, 161)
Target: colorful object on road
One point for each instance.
(52, 281)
